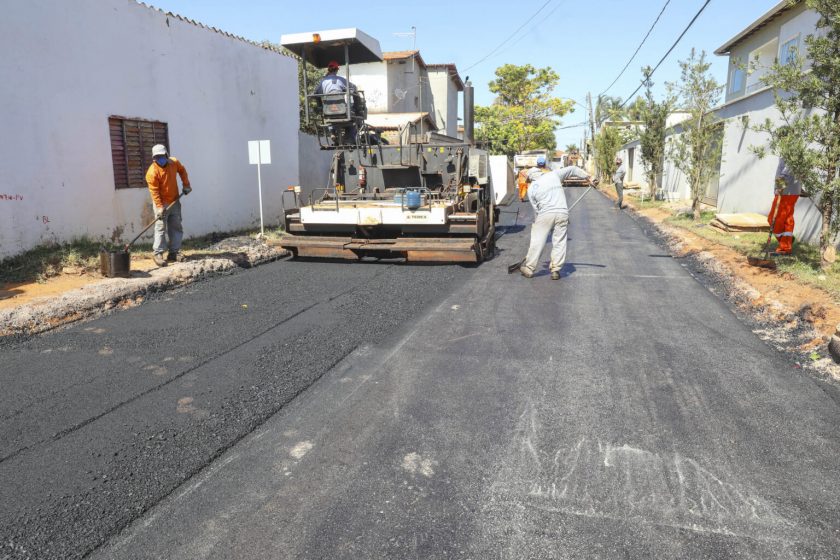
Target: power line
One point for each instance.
(637, 49)
(697, 15)
(511, 36)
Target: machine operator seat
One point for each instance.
(334, 110)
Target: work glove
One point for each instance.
(158, 213)
(187, 190)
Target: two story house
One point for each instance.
(746, 182)
(408, 90)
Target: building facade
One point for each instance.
(403, 84)
(90, 85)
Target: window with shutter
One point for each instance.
(131, 149)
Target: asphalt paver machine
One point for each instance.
(421, 196)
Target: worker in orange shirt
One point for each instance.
(163, 186)
(787, 192)
(522, 181)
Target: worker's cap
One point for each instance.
(332, 65)
(541, 161)
(158, 150)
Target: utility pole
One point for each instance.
(592, 131)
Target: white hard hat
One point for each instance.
(158, 150)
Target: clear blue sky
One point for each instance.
(587, 42)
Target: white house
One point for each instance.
(445, 84)
(89, 86)
(746, 182)
(672, 187)
(403, 84)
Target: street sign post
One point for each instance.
(259, 153)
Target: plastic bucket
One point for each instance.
(115, 264)
(413, 200)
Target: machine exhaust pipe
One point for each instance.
(469, 114)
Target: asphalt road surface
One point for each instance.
(389, 411)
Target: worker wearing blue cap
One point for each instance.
(548, 198)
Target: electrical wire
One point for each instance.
(697, 15)
(637, 49)
(511, 36)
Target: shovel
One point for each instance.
(513, 267)
(117, 262)
(764, 261)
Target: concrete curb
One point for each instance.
(107, 294)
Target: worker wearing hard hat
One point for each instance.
(163, 186)
(548, 198)
(787, 192)
(332, 82)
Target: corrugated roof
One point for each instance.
(453, 73)
(393, 121)
(775, 11)
(264, 45)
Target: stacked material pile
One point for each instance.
(740, 222)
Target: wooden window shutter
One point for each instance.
(131, 149)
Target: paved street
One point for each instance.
(622, 412)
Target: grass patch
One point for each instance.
(804, 264)
(47, 261)
(649, 203)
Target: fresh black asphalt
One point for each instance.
(100, 421)
(622, 412)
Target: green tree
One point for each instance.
(609, 108)
(808, 101)
(696, 150)
(524, 114)
(313, 76)
(607, 143)
(572, 148)
(654, 115)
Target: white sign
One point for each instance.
(259, 152)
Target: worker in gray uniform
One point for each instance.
(618, 180)
(548, 199)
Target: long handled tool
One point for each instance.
(765, 261)
(117, 262)
(513, 267)
(156, 220)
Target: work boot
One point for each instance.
(175, 256)
(526, 274)
(159, 260)
(555, 275)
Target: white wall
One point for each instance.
(503, 179)
(372, 78)
(68, 66)
(445, 95)
(314, 166)
(746, 182)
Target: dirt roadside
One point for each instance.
(32, 308)
(794, 318)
